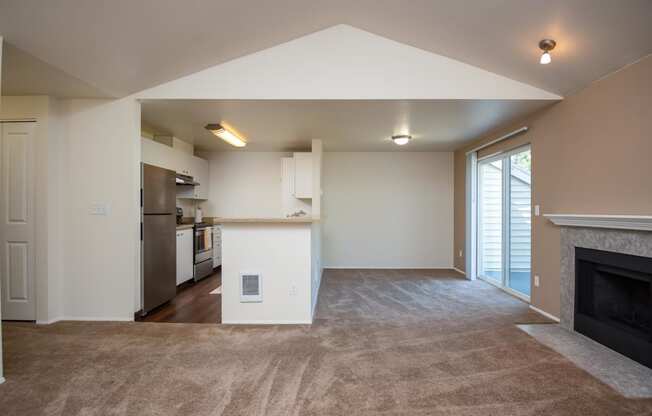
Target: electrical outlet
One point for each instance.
(461, 253)
(537, 280)
(293, 290)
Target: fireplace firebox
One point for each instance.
(613, 301)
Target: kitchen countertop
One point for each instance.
(280, 220)
(184, 227)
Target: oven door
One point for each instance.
(203, 241)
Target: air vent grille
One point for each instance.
(251, 287)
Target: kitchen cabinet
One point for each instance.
(185, 260)
(183, 163)
(200, 173)
(198, 169)
(217, 246)
(303, 175)
(157, 154)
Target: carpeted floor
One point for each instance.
(384, 343)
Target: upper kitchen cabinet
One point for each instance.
(199, 168)
(157, 154)
(303, 175)
(180, 161)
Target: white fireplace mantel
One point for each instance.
(621, 222)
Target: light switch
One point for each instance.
(100, 209)
(536, 280)
(537, 210)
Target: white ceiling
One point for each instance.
(287, 125)
(125, 46)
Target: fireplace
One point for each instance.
(613, 301)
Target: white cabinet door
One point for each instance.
(157, 154)
(179, 258)
(184, 256)
(187, 250)
(184, 163)
(17, 221)
(303, 175)
(200, 173)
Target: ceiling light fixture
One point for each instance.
(546, 45)
(226, 134)
(401, 139)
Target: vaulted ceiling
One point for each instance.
(119, 47)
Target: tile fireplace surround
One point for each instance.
(635, 241)
(615, 233)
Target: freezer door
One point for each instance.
(159, 190)
(159, 260)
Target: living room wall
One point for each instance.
(590, 155)
(388, 209)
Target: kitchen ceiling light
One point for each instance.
(401, 139)
(225, 134)
(546, 45)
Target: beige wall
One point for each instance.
(388, 209)
(590, 154)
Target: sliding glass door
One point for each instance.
(504, 223)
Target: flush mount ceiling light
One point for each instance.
(401, 139)
(546, 45)
(226, 134)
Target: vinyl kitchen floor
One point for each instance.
(194, 304)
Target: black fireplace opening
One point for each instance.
(613, 301)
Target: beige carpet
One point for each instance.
(385, 343)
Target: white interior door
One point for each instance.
(17, 220)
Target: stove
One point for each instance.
(203, 250)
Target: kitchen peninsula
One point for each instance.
(270, 269)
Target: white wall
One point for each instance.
(281, 253)
(48, 198)
(388, 210)
(244, 184)
(316, 228)
(102, 166)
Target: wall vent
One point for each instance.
(251, 287)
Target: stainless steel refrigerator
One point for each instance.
(159, 236)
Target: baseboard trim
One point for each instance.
(266, 322)
(49, 321)
(544, 313)
(85, 319)
(459, 270)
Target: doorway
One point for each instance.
(17, 261)
(504, 220)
